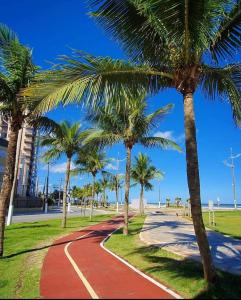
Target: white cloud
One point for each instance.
(170, 135)
(111, 167)
(180, 138)
(165, 134)
(57, 168)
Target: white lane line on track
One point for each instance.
(163, 287)
(77, 270)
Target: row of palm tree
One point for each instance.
(170, 44)
(175, 44)
(128, 124)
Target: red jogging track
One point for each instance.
(107, 276)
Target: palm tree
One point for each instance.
(98, 190)
(142, 172)
(115, 185)
(105, 184)
(127, 123)
(90, 161)
(66, 140)
(17, 71)
(172, 44)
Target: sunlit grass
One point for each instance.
(227, 222)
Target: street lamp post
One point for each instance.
(233, 179)
(14, 186)
(60, 186)
(117, 183)
(47, 193)
(159, 199)
(232, 166)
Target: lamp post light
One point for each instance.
(232, 166)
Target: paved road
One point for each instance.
(175, 234)
(54, 213)
(78, 267)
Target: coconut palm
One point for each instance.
(105, 184)
(98, 190)
(90, 161)
(142, 172)
(115, 185)
(65, 140)
(127, 122)
(172, 44)
(16, 72)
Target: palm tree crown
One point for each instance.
(90, 161)
(143, 172)
(128, 123)
(66, 139)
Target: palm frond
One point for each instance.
(101, 138)
(159, 142)
(51, 154)
(227, 39)
(44, 124)
(93, 80)
(7, 36)
(156, 116)
(224, 84)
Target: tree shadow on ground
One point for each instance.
(227, 285)
(59, 242)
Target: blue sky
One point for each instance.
(51, 28)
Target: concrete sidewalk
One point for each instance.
(175, 234)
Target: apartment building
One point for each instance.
(27, 166)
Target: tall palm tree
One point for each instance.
(65, 140)
(98, 190)
(105, 184)
(90, 161)
(142, 172)
(181, 44)
(115, 185)
(127, 122)
(16, 73)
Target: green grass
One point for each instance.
(227, 222)
(25, 247)
(181, 275)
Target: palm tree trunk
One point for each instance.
(127, 189)
(117, 199)
(7, 181)
(93, 197)
(141, 208)
(66, 184)
(194, 188)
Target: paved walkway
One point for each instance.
(78, 267)
(175, 234)
(54, 213)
